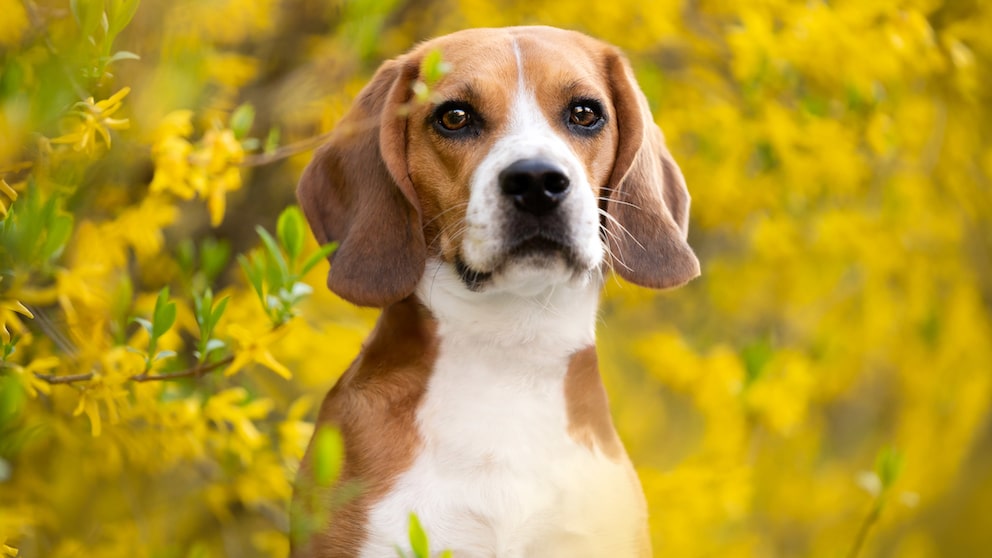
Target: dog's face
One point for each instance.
(534, 161)
(510, 157)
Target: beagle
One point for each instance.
(482, 222)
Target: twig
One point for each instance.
(285, 151)
(302, 146)
(194, 372)
(866, 525)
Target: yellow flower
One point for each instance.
(108, 387)
(93, 119)
(208, 171)
(231, 407)
(11, 194)
(171, 151)
(13, 26)
(141, 226)
(33, 384)
(252, 348)
(218, 158)
(295, 432)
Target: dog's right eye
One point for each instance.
(453, 119)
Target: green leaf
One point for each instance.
(12, 399)
(164, 354)
(318, 255)
(88, 14)
(164, 314)
(418, 538)
(214, 255)
(121, 55)
(888, 466)
(756, 356)
(291, 230)
(253, 272)
(59, 230)
(433, 68)
(271, 140)
(185, 255)
(119, 14)
(202, 303)
(241, 120)
(272, 248)
(218, 312)
(328, 449)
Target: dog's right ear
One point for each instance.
(357, 191)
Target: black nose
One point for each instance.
(536, 186)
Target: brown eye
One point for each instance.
(584, 115)
(455, 119)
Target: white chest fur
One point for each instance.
(498, 474)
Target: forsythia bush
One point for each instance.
(823, 390)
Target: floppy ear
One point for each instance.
(647, 201)
(357, 191)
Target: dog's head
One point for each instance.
(535, 160)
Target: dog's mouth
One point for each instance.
(540, 250)
(472, 278)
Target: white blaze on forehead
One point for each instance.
(527, 135)
(520, 64)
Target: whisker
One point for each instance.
(622, 228)
(635, 206)
(452, 208)
(464, 227)
(611, 237)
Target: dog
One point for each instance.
(482, 221)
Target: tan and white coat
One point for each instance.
(476, 403)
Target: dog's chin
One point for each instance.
(528, 267)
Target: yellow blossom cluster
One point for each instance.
(208, 170)
(824, 389)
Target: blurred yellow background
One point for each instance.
(823, 390)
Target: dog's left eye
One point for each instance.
(585, 116)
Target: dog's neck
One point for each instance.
(504, 387)
(550, 319)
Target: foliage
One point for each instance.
(839, 159)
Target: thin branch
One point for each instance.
(194, 372)
(285, 151)
(70, 379)
(866, 525)
(302, 146)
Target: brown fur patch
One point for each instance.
(374, 406)
(589, 421)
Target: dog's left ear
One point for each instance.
(647, 200)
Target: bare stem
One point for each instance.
(193, 372)
(285, 151)
(866, 525)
